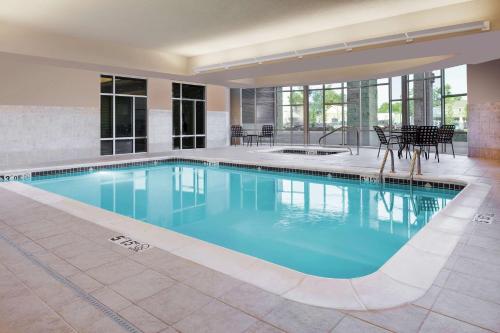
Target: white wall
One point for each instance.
(217, 129)
(159, 130)
(41, 134)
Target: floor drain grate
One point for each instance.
(484, 218)
(129, 327)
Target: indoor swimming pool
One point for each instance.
(327, 227)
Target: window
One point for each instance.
(123, 115)
(374, 109)
(455, 100)
(396, 101)
(290, 114)
(305, 113)
(334, 107)
(257, 107)
(188, 119)
(316, 102)
(424, 98)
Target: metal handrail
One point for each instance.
(382, 166)
(415, 158)
(343, 128)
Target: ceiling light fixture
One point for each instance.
(407, 37)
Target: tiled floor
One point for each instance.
(159, 292)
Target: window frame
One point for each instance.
(181, 136)
(113, 96)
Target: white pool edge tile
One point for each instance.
(394, 284)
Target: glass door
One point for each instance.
(188, 118)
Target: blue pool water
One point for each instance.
(320, 226)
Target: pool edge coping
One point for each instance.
(405, 277)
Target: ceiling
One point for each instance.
(168, 38)
(196, 27)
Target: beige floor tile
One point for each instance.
(152, 257)
(469, 309)
(85, 282)
(179, 269)
(21, 308)
(31, 247)
(262, 327)
(477, 268)
(436, 323)
(215, 317)
(481, 254)
(142, 319)
(295, 317)
(111, 299)
(56, 295)
(104, 324)
(93, 258)
(57, 264)
(429, 298)
(64, 238)
(354, 325)
(48, 231)
(174, 303)
(252, 300)
(212, 283)
(47, 322)
(80, 315)
(39, 224)
(115, 271)
(73, 249)
(402, 319)
(442, 277)
(142, 285)
(486, 242)
(169, 330)
(474, 286)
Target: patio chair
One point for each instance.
(237, 132)
(407, 139)
(445, 136)
(266, 132)
(384, 140)
(427, 137)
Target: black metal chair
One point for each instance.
(427, 137)
(384, 140)
(266, 132)
(237, 132)
(407, 139)
(445, 136)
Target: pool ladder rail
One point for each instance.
(415, 160)
(388, 153)
(343, 129)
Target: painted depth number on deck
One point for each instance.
(129, 243)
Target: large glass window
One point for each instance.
(455, 100)
(424, 98)
(305, 113)
(290, 114)
(188, 119)
(327, 107)
(396, 101)
(374, 109)
(123, 115)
